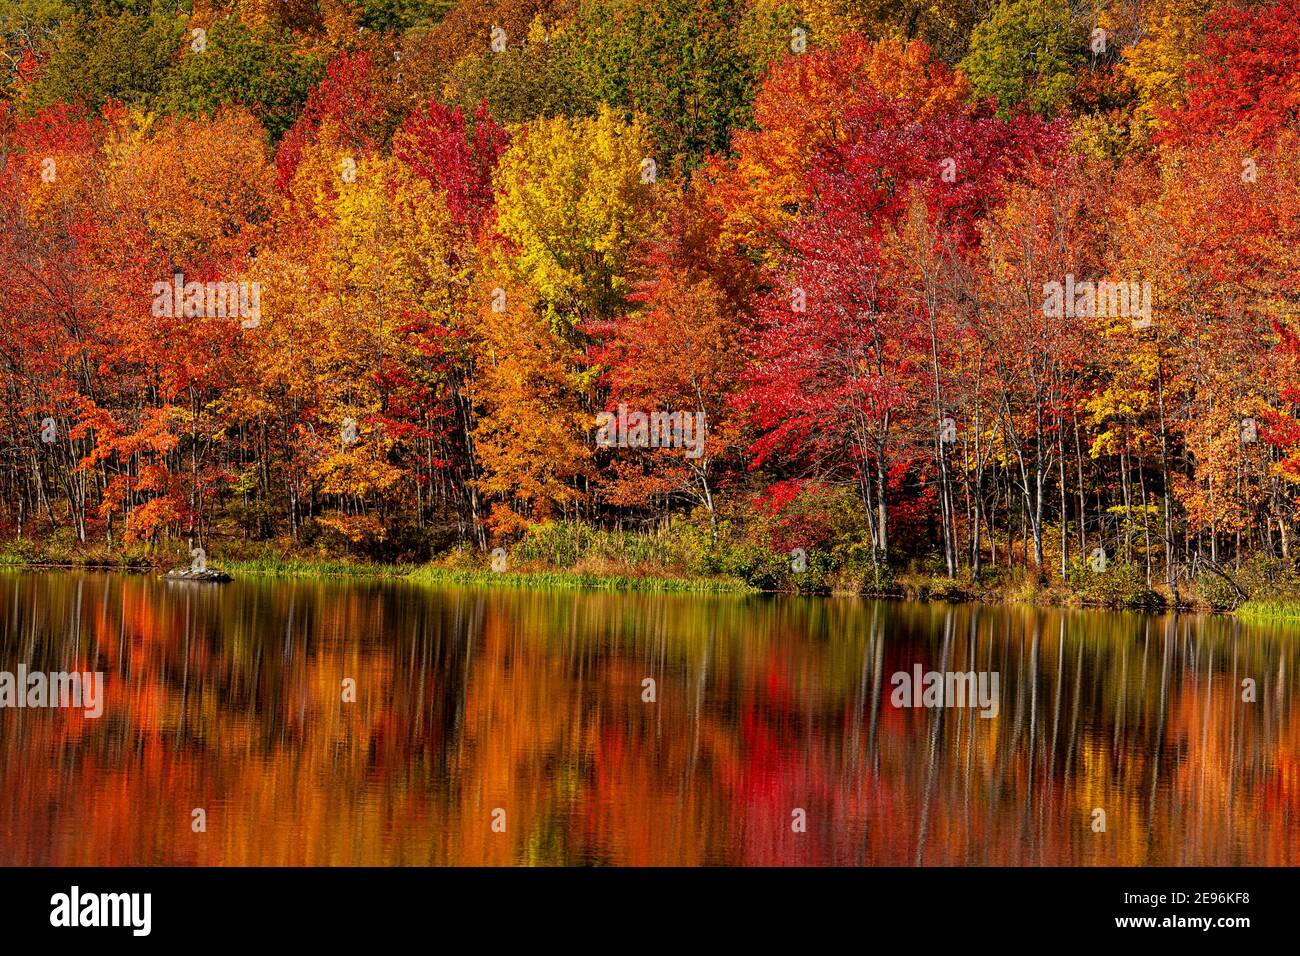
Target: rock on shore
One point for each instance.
(189, 574)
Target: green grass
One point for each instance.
(309, 568)
(1270, 610)
(431, 574)
(29, 555)
(270, 566)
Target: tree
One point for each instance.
(1241, 79)
(676, 63)
(344, 109)
(1157, 62)
(531, 434)
(1026, 53)
(680, 350)
(457, 153)
(537, 76)
(797, 113)
(252, 67)
(574, 197)
(124, 57)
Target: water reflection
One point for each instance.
(229, 698)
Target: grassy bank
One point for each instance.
(290, 567)
(433, 574)
(1264, 609)
(31, 554)
(458, 569)
(687, 559)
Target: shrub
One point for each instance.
(1122, 584)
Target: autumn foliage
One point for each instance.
(469, 243)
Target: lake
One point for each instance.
(497, 726)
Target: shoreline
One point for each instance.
(923, 589)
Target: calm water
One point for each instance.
(229, 698)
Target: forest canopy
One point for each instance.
(950, 285)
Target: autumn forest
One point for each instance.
(960, 291)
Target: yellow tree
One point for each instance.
(1155, 64)
(574, 197)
